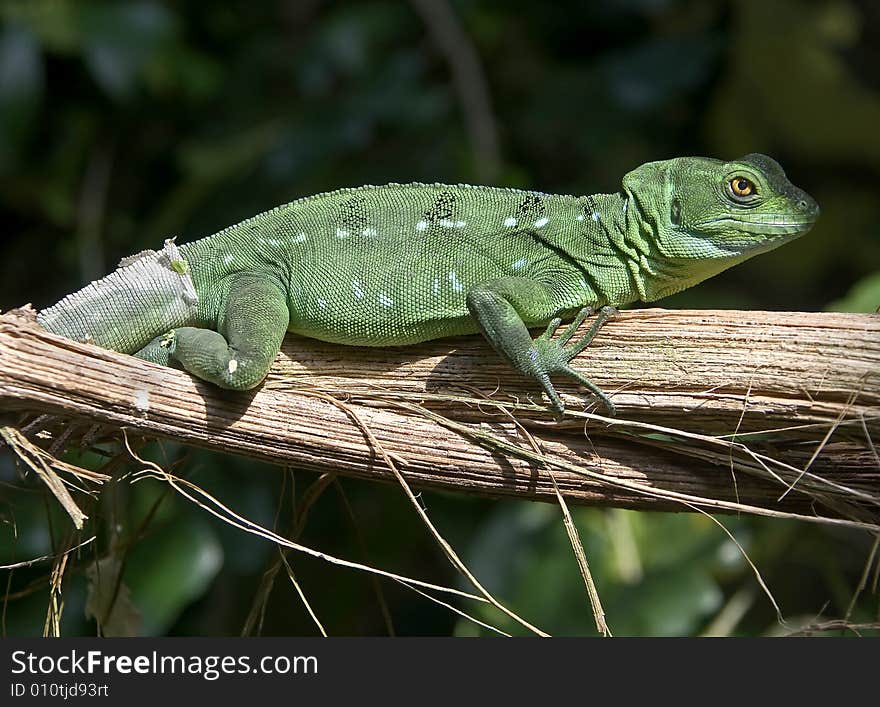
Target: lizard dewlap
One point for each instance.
(404, 263)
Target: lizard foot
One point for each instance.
(554, 355)
(159, 350)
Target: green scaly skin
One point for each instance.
(400, 264)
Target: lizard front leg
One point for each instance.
(501, 307)
(253, 321)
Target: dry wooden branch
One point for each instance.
(810, 382)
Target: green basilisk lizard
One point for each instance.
(404, 263)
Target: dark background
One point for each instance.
(125, 123)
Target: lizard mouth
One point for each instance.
(766, 225)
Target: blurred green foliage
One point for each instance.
(125, 123)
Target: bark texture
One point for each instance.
(685, 383)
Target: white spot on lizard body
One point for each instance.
(368, 232)
(510, 222)
(456, 284)
(322, 303)
(233, 366)
(436, 286)
(541, 222)
(228, 258)
(357, 289)
(519, 264)
(595, 216)
(460, 224)
(580, 217)
(299, 237)
(421, 225)
(385, 300)
(341, 233)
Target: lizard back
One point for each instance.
(392, 265)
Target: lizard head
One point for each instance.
(719, 213)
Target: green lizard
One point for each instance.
(404, 263)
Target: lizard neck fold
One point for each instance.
(598, 242)
(650, 270)
(655, 273)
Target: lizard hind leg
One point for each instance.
(237, 357)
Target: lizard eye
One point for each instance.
(741, 187)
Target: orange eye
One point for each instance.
(741, 186)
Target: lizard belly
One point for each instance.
(370, 310)
(396, 290)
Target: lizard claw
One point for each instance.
(555, 355)
(551, 329)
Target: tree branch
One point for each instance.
(721, 409)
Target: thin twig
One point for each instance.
(362, 546)
(863, 580)
(748, 559)
(229, 517)
(444, 545)
(822, 444)
(583, 566)
(35, 458)
(458, 611)
(573, 537)
(43, 558)
(299, 591)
